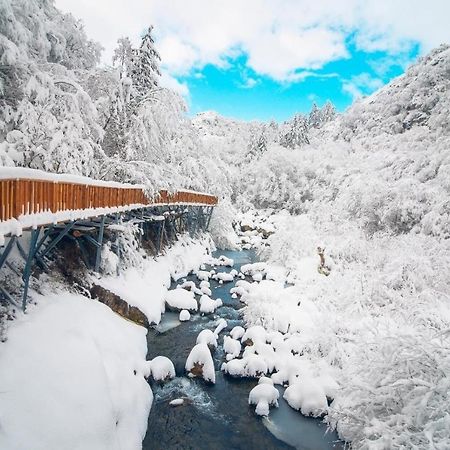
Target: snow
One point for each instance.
(223, 276)
(181, 299)
(201, 356)
(237, 332)
(221, 324)
(144, 284)
(208, 305)
(203, 275)
(80, 384)
(232, 347)
(176, 402)
(185, 315)
(263, 395)
(161, 368)
(307, 396)
(23, 173)
(207, 337)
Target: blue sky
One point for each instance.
(267, 59)
(238, 91)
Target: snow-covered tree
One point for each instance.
(258, 142)
(295, 133)
(315, 116)
(145, 71)
(328, 112)
(123, 56)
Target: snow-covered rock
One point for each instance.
(176, 402)
(307, 396)
(185, 315)
(221, 325)
(237, 332)
(161, 368)
(235, 367)
(208, 305)
(232, 347)
(207, 337)
(181, 299)
(223, 276)
(263, 395)
(224, 261)
(200, 363)
(203, 275)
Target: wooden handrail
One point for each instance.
(20, 197)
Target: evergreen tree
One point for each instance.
(315, 117)
(328, 112)
(296, 133)
(145, 65)
(258, 142)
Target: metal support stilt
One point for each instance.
(7, 250)
(98, 257)
(56, 241)
(28, 265)
(211, 209)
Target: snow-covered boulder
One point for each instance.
(161, 368)
(181, 299)
(207, 337)
(237, 332)
(307, 396)
(254, 334)
(208, 305)
(200, 363)
(223, 276)
(255, 366)
(203, 275)
(258, 276)
(185, 315)
(232, 347)
(263, 396)
(206, 290)
(221, 325)
(235, 367)
(177, 402)
(251, 269)
(224, 261)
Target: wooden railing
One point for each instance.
(29, 196)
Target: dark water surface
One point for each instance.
(218, 416)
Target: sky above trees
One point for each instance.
(264, 59)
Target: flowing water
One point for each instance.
(218, 417)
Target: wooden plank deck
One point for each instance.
(21, 197)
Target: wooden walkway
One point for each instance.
(20, 197)
(56, 207)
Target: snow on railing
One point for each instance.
(25, 192)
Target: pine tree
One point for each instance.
(328, 112)
(145, 65)
(296, 133)
(315, 117)
(258, 143)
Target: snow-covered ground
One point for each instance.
(71, 377)
(73, 372)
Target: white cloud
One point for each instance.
(279, 37)
(170, 82)
(360, 85)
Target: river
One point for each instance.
(218, 416)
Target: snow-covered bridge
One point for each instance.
(53, 206)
